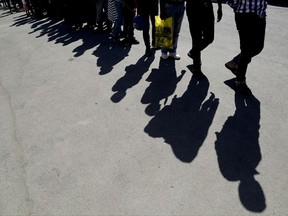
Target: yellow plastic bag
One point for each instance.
(164, 32)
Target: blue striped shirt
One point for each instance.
(249, 6)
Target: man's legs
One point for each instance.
(177, 23)
(193, 12)
(128, 27)
(251, 29)
(201, 25)
(146, 35)
(207, 26)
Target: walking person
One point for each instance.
(201, 25)
(174, 9)
(26, 7)
(148, 9)
(250, 18)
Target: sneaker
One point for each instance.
(242, 88)
(174, 56)
(232, 66)
(164, 55)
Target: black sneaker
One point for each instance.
(242, 88)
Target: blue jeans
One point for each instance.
(176, 11)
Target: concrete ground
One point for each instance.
(88, 127)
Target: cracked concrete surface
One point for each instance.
(14, 189)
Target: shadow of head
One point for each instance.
(118, 96)
(251, 195)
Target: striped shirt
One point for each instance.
(249, 6)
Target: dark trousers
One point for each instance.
(128, 23)
(251, 30)
(149, 15)
(201, 25)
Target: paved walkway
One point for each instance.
(91, 128)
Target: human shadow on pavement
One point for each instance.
(184, 124)
(45, 26)
(55, 29)
(163, 83)
(238, 150)
(61, 32)
(4, 12)
(132, 77)
(89, 41)
(110, 54)
(22, 19)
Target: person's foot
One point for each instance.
(242, 88)
(134, 41)
(156, 47)
(175, 56)
(122, 34)
(99, 29)
(115, 38)
(126, 42)
(130, 41)
(164, 55)
(190, 55)
(232, 66)
(148, 52)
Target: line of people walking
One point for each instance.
(117, 18)
(250, 18)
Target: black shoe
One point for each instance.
(156, 47)
(190, 55)
(232, 66)
(134, 41)
(148, 52)
(126, 42)
(242, 88)
(122, 34)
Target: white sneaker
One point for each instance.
(175, 56)
(164, 55)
